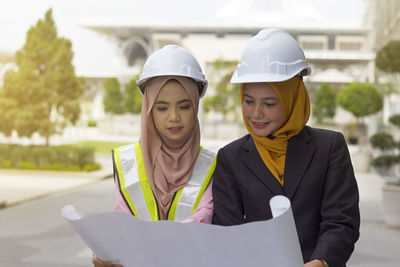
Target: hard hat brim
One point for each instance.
(266, 77)
(201, 84)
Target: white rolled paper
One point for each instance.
(279, 204)
(69, 212)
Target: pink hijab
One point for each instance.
(168, 164)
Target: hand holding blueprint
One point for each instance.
(127, 240)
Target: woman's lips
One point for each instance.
(175, 129)
(259, 125)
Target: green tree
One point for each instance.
(7, 111)
(227, 97)
(324, 106)
(133, 98)
(43, 94)
(388, 57)
(113, 99)
(361, 99)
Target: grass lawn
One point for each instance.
(101, 147)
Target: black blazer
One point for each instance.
(319, 181)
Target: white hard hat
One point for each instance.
(172, 60)
(272, 55)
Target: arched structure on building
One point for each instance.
(136, 50)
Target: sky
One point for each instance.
(93, 50)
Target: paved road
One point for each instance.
(34, 234)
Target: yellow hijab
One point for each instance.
(295, 101)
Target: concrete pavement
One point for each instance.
(18, 186)
(377, 246)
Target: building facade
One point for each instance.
(336, 55)
(383, 18)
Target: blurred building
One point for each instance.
(337, 55)
(383, 18)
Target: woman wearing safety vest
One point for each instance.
(283, 156)
(167, 174)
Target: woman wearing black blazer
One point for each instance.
(282, 156)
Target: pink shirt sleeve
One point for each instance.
(119, 204)
(204, 211)
(202, 214)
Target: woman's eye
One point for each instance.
(270, 104)
(186, 107)
(161, 109)
(248, 102)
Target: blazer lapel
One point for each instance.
(298, 156)
(254, 162)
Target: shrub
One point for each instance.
(387, 163)
(91, 167)
(395, 120)
(65, 157)
(7, 164)
(26, 165)
(383, 141)
(83, 156)
(74, 168)
(92, 123)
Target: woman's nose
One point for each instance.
(174, 115)
(258, 111)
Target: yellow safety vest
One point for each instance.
(138, 195)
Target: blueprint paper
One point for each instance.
(122, 238)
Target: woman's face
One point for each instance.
(262, 109)
(173, 112)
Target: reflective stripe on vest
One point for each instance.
(136, 190)
(187, 199)
(133, 182)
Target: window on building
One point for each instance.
(313, 42)
(163, 42)
(350, 43)
(162, 39)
